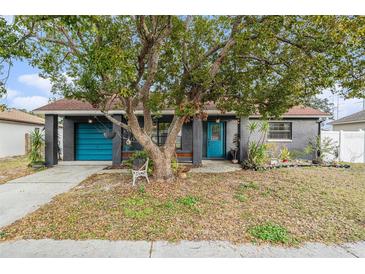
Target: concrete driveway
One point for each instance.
(26, 194)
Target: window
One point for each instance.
(160, 132)
(216, 132)
(280, 131)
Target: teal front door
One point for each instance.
(215, 142)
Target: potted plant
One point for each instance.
(234, 149)
(233, 152)
(35, 155)
(284, 155)
(273, 153)
(109, 134)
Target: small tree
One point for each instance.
(257, 149)
(322, 147)
(35, 155)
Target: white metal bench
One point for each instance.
(141, 172)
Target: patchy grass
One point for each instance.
(271, 233)
(284, 206)
(14, 167)
(189, 201)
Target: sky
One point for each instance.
(27, 90)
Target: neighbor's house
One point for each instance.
(15, 126)
(352, 122)
(84, 130)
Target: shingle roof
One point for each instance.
(356, 117)
(76, 105)
(14, 115)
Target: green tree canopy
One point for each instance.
(246, 64)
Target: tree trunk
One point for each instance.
(161, 156)
(162, 167)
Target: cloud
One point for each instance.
(11, 94)
(345, 106)
(35, 80)
(29, 102)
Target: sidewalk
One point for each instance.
(161, 249)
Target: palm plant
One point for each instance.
(257, 150)
(35, 155)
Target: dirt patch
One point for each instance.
(311, 204)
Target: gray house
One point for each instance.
(352, 122)
(89, 136)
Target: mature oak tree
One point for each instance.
(246, 64)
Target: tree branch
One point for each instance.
(115, 121)
(174, 130)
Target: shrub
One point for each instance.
(273, 150)
(284, 154)
(270, 232)
(257, 155)
(35, 155)
(320, 148)
(257, 150)
(140, 155)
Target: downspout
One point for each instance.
(319, 136)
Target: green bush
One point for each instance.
(258, 149)
(140, 154)
(270, 232)
(35, 155)
(320, 148)
(257, 154)
(285, 154)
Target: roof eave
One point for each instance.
(22, 122)
(346, 122)
(166, 112)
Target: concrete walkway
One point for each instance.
(26, 194)
(184, 249)
(216, 166)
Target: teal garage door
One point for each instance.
(91, 145)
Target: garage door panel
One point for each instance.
(93, 146)
(91, 143)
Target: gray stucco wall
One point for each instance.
(231, 131)
(349, 127)
(303, 130)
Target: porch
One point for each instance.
(83, 139)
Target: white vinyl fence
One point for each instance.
(351, 145)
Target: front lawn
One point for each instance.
(284, 206)
(14, 167)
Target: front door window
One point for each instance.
(216, 132)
